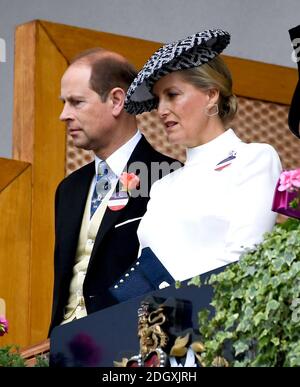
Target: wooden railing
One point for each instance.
(31, 353)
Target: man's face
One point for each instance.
(88, 120)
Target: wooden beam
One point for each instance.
(24, 92)
(10, 170)
(48, 171)
(40, 138)
(262, 81)
(71, 40)
(251, 79)
(15, 252)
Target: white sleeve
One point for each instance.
(252, 195)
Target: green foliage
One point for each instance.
(257, 305)
(42, 361)
(196, 281)
(177, 284)
(10, 357)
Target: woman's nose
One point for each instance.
(162, 109)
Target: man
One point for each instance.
(94, 244)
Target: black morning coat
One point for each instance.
(115, 249)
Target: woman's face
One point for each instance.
(181, 108)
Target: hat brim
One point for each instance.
(193, 51)
(294, 112)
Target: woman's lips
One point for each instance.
(169, 126)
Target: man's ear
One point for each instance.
(117, 97)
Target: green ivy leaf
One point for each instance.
(248, 311)
(196, 281)
(177, 284)
(272, 305)
(289, 257)
(240, 347)
(231, 320)
(278, 263)
(245, 325)
(295, 269)
(275, 341)
(296, 316)
(260, 316)
(250, 270)
(295, 303)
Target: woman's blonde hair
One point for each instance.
(215, 75)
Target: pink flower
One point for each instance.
(289, 180)
(3, 326)
(129, 181)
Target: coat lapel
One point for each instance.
(110, 219)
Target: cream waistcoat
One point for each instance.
(89, 227)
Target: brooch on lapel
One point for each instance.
(226, 162)
(119, 199)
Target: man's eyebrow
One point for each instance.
(70, 97)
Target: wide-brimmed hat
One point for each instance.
(192, 51)
(294, 112)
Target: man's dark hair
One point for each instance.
(108, 70)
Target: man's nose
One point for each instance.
(66, 113)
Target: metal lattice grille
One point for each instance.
(256, 121)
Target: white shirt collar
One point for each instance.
(118, 160)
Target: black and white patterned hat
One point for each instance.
(192, 51)
(294, 112)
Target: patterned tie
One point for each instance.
(102, 187)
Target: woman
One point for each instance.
(205, 214)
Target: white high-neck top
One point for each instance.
(203, 215)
